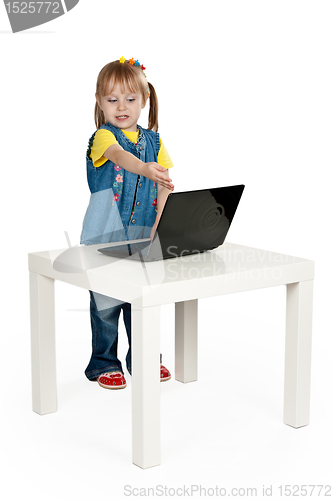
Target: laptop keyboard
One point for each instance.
(142, 247)
(129, 249)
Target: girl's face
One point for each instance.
(122, 110)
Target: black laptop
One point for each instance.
(191, 222)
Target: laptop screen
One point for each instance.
(196, 221)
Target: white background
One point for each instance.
(245, 92)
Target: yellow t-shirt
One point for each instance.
(104, 139)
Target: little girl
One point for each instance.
(124, 163)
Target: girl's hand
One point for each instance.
(151, 170)
(156, 173)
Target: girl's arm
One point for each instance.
(151, 170)
(162, 194)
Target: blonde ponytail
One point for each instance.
(153, 109)
(99, 116)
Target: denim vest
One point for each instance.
(113, 190)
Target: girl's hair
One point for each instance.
(127, 76)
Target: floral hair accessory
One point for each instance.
(133, 62)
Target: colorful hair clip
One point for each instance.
(133, 62)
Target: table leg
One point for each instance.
(146, 386)
(298, 354)
(186, 342)
(43, 359)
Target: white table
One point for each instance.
(229, 268)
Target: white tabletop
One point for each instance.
(229, 268)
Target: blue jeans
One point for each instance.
(104, 316)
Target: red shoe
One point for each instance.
(112, 380)
(165, 374)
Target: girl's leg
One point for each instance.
(104, 316)
(127, 320)
(126, 307)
